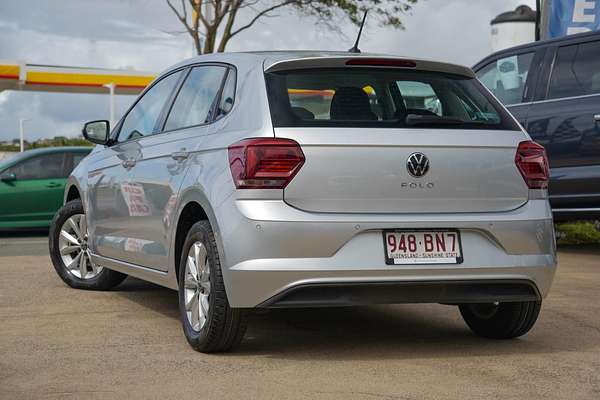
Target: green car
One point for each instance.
(32, 185)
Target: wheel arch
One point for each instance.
(71, 193)
(193, 208)
(191, 213)
(74, 190)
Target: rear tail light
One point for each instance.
(264, 163)
(532, 162)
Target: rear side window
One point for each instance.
(506, 77)
(227, 95)
(383, 98)
(576, 71)
(196, 98)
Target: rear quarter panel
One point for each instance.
(208, 179)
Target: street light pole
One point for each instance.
(538, 19)
(111, 89)
(22, 132)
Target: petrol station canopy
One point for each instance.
(52, 78)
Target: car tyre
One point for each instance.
(501, 320)
(71, 256)
(209, 323)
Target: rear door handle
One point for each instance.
(129, 164)
(53, 185)
(180, 155)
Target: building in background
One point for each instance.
(513, 28)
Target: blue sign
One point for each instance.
(567, 17)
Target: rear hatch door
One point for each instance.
(395, 136)
(361, 170)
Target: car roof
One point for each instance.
(316, 57)
(580, 37)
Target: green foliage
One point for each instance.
(56, 141)
(581, 232)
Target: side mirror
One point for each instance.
(97, 131)
(8, 177)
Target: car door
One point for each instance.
(113, 201)
(511, 78)
(566, 120)
(158, 172)
(36, 192)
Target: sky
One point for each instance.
(144, 35)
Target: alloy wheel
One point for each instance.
(197, 286)
(73, 248)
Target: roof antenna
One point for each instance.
(355, 49)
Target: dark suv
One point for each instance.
(553, 88)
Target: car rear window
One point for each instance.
(368, 97)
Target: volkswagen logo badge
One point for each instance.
(417, 164)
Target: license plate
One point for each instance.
(422, 247)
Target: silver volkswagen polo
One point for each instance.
(308, 179)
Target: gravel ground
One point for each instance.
(56, 342)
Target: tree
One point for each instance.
(212, 21)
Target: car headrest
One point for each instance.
(351, 104)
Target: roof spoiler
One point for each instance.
(367, 61)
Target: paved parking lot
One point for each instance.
(57, 342)
(29, 243)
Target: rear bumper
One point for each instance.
(361, 293)
(277, 256)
